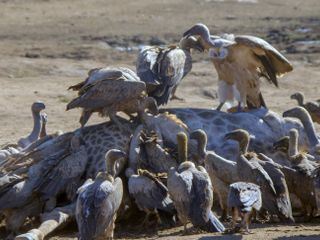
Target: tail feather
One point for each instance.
(73, 104)
(213, 225)
(76, 87)
(164, 96)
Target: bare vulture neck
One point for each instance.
(34, 135)
(300, 99)
(111, 166)
(293, 144)
(244, 145)
(309, 128)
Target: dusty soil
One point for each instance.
(47, 45)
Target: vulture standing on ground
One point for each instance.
(264, 172)
(191, 191)
(107, 91)
(98, 202)
(149, 193)
(240, 61)
(243, 198)
(163, 68)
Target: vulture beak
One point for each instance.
(228, 136)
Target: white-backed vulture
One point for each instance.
(264, 173)
(163, 68)
(107, 91)
(191, 191)
(98, 202)
(243, 198)
(312, 107)
(149, 193)
(241, 61)
(222, 172)
(36, 108)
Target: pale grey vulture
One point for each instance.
(149, 193)
(264, 173)
(240, 61)
(191, 191)
(98, 202)
(36, 108)
(243, 198)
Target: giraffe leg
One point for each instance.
(235, 215)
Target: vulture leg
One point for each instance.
(115, 119)
(220, 106)
(174, 96)
(85, 117)
(145, 221)
(50, 222)
(246, 222)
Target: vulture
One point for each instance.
(240, 62)
(163, 68)
(222, 172)
(36, 108)
(264, 172)
(302, 175)
(107, 91)
(243, 198)
(98, 202)
(312, 107)
(191, 191)
(149, 193)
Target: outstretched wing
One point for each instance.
(273, 62)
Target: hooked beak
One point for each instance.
(228, 136)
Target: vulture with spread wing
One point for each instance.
(240, 61)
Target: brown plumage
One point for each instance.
(264, 172)
(240, 61)
(107, 91)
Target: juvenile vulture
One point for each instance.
(149, 193)
(163, 68)
(240, 61)
(98, 202)
(312, 107)
(36, 108)
(191, 191)
(222, 172)
(107, 91)
(243, 198)
(264, 172)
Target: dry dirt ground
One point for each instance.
(47, 45)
